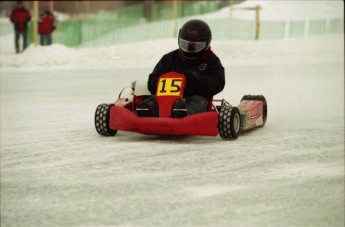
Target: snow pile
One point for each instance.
(39, 56)
(58, 56)
(146, 55)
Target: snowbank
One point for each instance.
(146, 54)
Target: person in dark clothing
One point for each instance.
(203, 70)
(46, 26)
(20, 17)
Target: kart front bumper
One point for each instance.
(203, 124)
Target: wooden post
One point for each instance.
(35, 23)
(257, 22)
(175, 18)
(51, 6)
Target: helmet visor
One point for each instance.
(191, 47)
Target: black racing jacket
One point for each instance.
(212, 76)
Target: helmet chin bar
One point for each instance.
(191, 56)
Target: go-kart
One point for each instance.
(223, 118)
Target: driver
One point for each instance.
(202, 68)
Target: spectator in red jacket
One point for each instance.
(20, 18)
(46, 26)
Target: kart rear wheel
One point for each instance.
(229, 122)
(259, 98)
(102, 120)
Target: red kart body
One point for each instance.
(199, 124)
(224, 119)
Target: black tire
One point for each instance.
(260, 98)
(229, 122)
(102, 120)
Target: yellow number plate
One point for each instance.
(169, 87)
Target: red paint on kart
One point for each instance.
(203, 124)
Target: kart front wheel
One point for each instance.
(102, 120)
(229, 122)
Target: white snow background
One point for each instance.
(57, 171)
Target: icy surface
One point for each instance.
(57, 171)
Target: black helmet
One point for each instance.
(194, 38)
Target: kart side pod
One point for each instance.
(249, 114)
